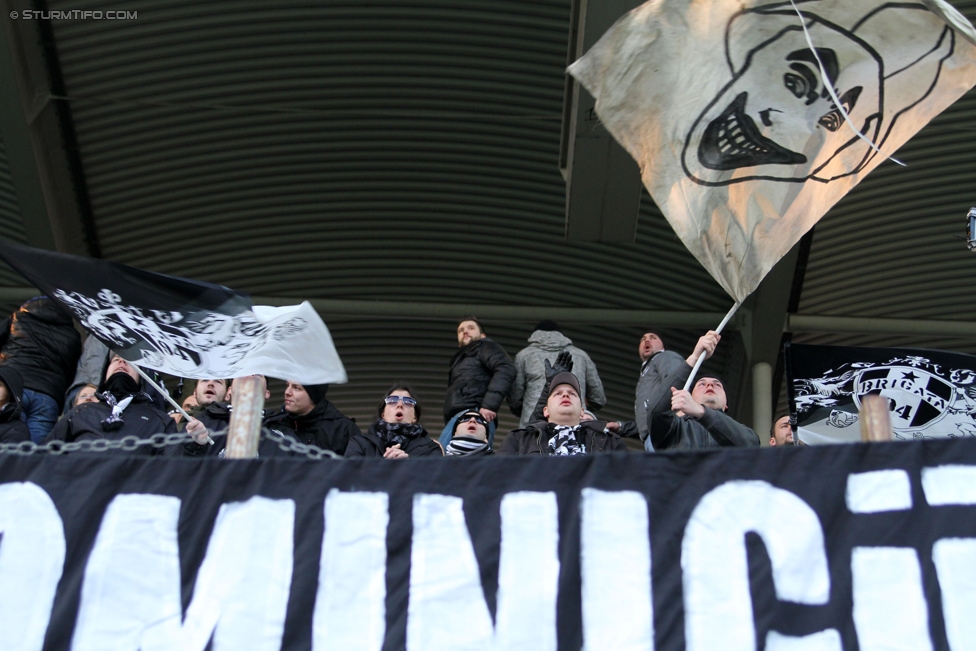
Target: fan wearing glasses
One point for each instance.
(470, 437)
(397, 432)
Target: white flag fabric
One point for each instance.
(727, 107)
(182, 327)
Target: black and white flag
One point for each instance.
(931, 393)
(182, 327)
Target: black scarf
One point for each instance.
(397, 433)
(120, 390)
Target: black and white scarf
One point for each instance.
(564, 442)
(114, 421)
(397, 433)
(463, 446)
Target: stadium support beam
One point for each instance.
(603, 185)
(39, 138)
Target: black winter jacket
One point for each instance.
(40, 341)
(481, 375)
(714, 429)
(324, 426)
(370, 445)
(141, 418)
(534, 439)
(216, 418)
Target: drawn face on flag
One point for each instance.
(738, 130)
(775, 119)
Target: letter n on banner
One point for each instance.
(444, 573)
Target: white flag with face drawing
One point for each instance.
(729, 111)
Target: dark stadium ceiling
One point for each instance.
(398, 164)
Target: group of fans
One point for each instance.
(52, 388)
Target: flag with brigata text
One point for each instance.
(930, 393)
(751, 118)
(182, 327)
(835, 548)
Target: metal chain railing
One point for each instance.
(131, 443)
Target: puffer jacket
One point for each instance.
(325, 426)
(481, 375)
(370, 445)
(40, 341)
(216, 418)
(530, 373)
(534, 439)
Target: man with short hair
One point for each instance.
(216, 417)
(661, 370)
(545, 343)
(563, 433)
(781, 433)
(479, 378)
(697, 420)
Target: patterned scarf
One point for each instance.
(114, 421)
(397, 433)
(563, 441)
(463, 446)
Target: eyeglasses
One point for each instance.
(407, 400)
(475, 417)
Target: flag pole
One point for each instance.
(701, 358)
(165, 394)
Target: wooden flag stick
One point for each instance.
(875, 419)
(701, 358)
(245, 419)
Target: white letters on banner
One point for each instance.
(625, 621)
(350, 603)
(444, 575)
(32, 548)
(715, 572)
(130, 598)
(131, 593)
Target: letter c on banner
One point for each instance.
(715, 570)
(32, 548)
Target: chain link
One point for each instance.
(289, 444)
(126, 443)
(131, 443)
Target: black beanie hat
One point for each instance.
(316, 391)
(547, 325)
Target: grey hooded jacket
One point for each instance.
(530, 373)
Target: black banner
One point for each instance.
(930, 393)
(833, 547)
